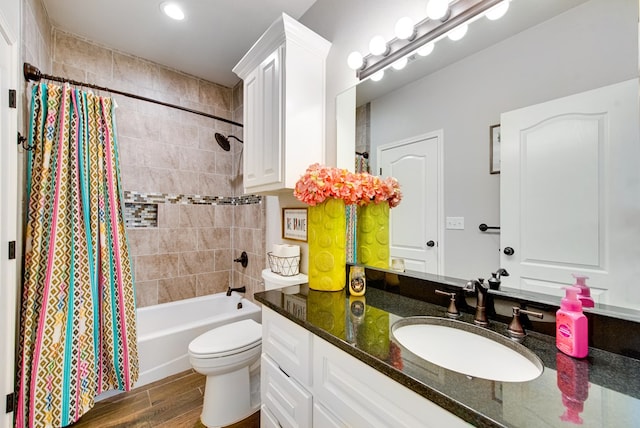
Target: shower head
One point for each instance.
(223, 141)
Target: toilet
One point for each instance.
(229, 356)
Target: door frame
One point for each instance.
(439, 136)
(8, 222)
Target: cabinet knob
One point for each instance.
(509, 251)
(431, 244)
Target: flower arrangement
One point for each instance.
(321, 182)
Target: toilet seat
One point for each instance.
(229, 339)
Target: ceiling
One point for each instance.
(211, 39)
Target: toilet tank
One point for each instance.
(273, 280)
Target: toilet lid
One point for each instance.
(227, 339)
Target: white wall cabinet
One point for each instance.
(308, 382)
(284, 106)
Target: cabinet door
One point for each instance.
(288, 344)
(263, 111)
(287, 400)
(267, 420)
(360, 396)
(323, 418)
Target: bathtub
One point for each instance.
(165, 330)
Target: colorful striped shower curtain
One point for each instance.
(78, 323)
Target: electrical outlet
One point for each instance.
(456, 223)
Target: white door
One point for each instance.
(570, 194)
(8, 208)
(417, 164)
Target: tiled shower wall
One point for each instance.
(190, 248)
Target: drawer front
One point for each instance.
(267, 420)
(287, 400)
(288, 344)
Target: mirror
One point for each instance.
(539, 51)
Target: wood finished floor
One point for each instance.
(174, 402)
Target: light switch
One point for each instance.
(455, 223)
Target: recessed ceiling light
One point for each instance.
(172, 10)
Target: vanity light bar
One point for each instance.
(427, 30)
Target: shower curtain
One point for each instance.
(77, 325)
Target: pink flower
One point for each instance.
(322, 182)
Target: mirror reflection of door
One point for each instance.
(570, 182)
(417, 164)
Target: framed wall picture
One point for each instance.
(494, 149)
(294, 224)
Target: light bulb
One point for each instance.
(437, 9)
(355, 60)
(173, 11)
(400, 64)
(497, 11)
(378, 45)
(425, 50)
(458, 32)
(377, 76)
(404, 28)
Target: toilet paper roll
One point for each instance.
(289, 251)
(276, 250)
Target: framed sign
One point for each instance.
(294, 224)
(494, 149)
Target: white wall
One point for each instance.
(584, 48)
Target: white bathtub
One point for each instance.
(165, 330)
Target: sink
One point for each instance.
(468, 349)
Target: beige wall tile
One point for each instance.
(79, 53)
(197, 160)
(223, 258)
(213, 238)
(178, 133)
(211, 283)
(197, 215)
(177, 240)
(157, 266)
(146, 293)
(178, 83)
(142, 241)
(214, 185)
(170, 290)
(224, 216)
(134, 70)
(215, 95)
(168, 215)
(194, 262)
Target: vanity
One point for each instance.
(330, 359)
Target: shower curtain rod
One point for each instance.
(32, 73)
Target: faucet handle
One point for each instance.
(452, 310)
(515, 329)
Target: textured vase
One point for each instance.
(373, 235)
(327, 235)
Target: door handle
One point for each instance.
(509, 251)
(431, 244)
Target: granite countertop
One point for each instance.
(601, 390)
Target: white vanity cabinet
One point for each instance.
(308, 382)
(284, 106)
(285, 372)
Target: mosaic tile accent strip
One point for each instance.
(168, 198)
(140, 215)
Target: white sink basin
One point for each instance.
(467, 349)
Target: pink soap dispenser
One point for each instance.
(584, 295)
(571, 325)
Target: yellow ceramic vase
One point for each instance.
(373, 235)
(327, 231)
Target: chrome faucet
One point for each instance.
(477, 286)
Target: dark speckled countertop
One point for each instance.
(602, 390)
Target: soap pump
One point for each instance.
(584, 294)
(571, 326)
(494, 281)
